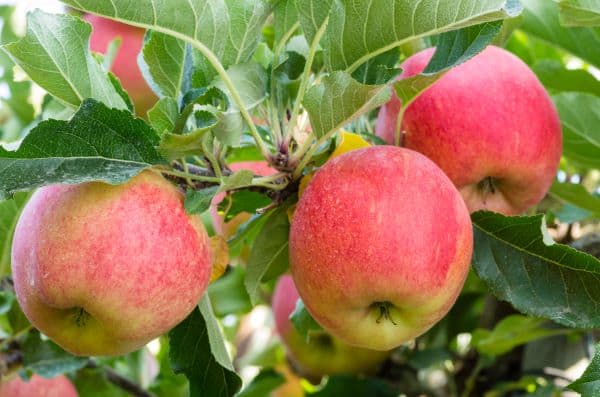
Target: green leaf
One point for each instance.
(55, 54)
(459, 46)
(540, 19)
(165, 62)
(589, 383)
(339, 99)
(163, 115)
(97, 144)
(228, 294)
(362, 29)
(571, 214)
(6, 301)
(10, 210)
(45, 358)
(578, 196)
(349, 385)
(198, 201)
(197, 350)
(580, 120)
(269, 255)
(264, 383)
(410, 88)
(579, 12)
(303, 322)
(285, 17)
(521, 264)
(556, 77)
(229, 29)
(240, 179)
(511, 332)
(189, 143)
(93, 382)
(243, 201)
(380, 69)
(250, 80)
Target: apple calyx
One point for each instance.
(487, 185)
(384, 311)
(81, 317)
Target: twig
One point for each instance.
(120, 381)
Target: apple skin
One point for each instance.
(322, 354)
(103, 269)
(380, 246)
(37, 386)
(228, 229)
(489, 117)
(125, 65)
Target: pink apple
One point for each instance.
(323, 354)
(103, 269)
(125, 65)
(37, 386)
(380, 246)
(489, 124)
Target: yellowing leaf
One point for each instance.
(220, 251)
(349, 142)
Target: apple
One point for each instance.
(125, 65)
(322, 354)
(37, 386)
(489, 124)
(380, 246)
(228, 229)
(103, 269)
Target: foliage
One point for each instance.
(278, 81)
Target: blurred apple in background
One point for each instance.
(228, 229)
(125, 65)
(37, 386)
(323, 354)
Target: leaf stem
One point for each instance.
(305, 78)
(201, 178)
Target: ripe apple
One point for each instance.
(125, 65)
(228, 229)
(103, 269)
(380, 246)
(489, 124)
(323, 354)
(37, 386)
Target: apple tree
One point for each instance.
(300, 198)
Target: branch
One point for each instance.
(120, 381)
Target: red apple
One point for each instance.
(104, 269)
(489, 124)
(380, 246)
(322, 354)
(38, 387)
(125, 65)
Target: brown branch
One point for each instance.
(120, 381)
